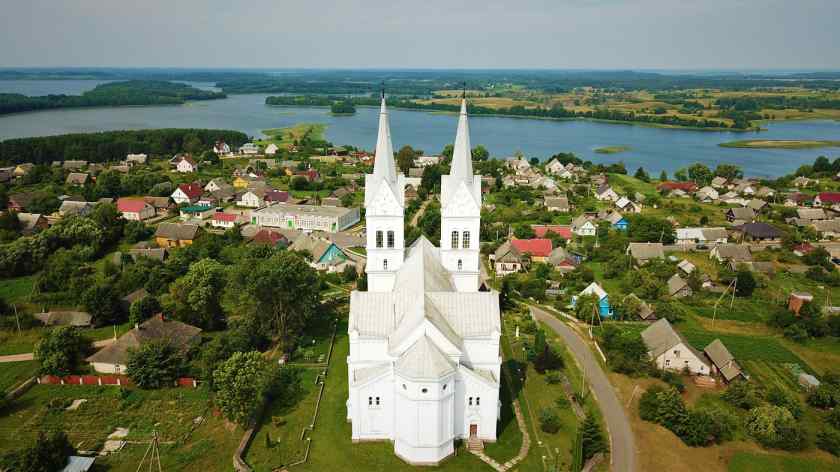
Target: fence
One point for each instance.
(105, 380)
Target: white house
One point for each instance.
(670, 351)
(249, 148)
(424, 361)
(606, 193)
(556, 167)
(221, 148)
(583, 226)
(252, 198)
(223, 220)
(135, 209)
(214, 185)
(186, 164)
(136, 159)
(628, 206)
(271, 149)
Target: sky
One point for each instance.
(550, 34)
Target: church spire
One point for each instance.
(384, 166)
(461, 154)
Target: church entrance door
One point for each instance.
(473, 430)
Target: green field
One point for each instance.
(13, 373)
(757, 462)
(16, 290)
(285, 136)
(744, 347)
(779, 144)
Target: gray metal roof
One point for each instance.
(424, 361)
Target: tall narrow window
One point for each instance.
(466, 240)
(370, 401)
(470, 401)
(477, 401)
(460, 264)
(454, 242)
(390, 239)
(377, 401)
(385, 264)
(379, 239)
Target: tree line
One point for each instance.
(113, 145)
(132, 92)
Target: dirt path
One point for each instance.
(28, 356)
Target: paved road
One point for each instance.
(623, 443)
(28, 356)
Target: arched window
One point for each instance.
(391, 239)
(385, 264)
(370, 401)
(470, 401)
(377, 401)
(460, 264)
(454, 242)
(466, 240)
(477, 401)
(379, 239)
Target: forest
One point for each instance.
(133, 92)
(113, 145)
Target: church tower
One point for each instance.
(385, 206)
(461, 212)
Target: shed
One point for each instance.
(808, 381)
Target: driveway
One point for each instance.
(28, 356)
(623, 447)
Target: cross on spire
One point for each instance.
(464, 95)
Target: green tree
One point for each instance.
(729, 171)
(136, 231)
(681, 175)
(108, 184)
(240, 384)
(774, 426)
(405, 158)
(549, 421)
(663, 176)
(197, 295)
(480, 153)
(143, 309)
(593, 440)
(60, 350)
(155, 365)
(642, 175)
(48, 453)
(746, 283)
(742, 394)
(103, 304)
(700, 174)
(283, 293)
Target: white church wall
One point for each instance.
(374, 410)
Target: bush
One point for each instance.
(780, 397)
(824, 396)
(592, 438)
(553, 377)
(709, 426)
(742, 394)
(671, 378)
(828, 439)
(548, 359)
(833, 418)
(626, 353)
(154, 365)
(774, 426)
(648, 403)
(60, 350)
(49, 452)
(549, 421)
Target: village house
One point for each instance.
(701, 236)
(758, 232)
(796, 199)
(722, 362)
(797, 300)
(77, 179)
(584, 226)
(426, 161)
(756, 205)
(686, 267)
(135, 209)
(75, 208)
(555, 167)
(561, 260)
(113, 358)
(719, 182)
(196, 212)
(187, 193)
(563, 231)
(79, 319)
(707, 195)
(616, 221)
(270, 237)
(275, 196)
(253, 198)
(214, 184)
(827, 200)
(132, 159)
(223, 220)
(326, 255)
(221, 148)
(184, 164)
(143, 250)
(160, 204)
(74, 165)
(811, 214)
(22, 169)
(740, 215)
(31, 223)
(685, 187)
(765, 192)
(306, 217)
(827, 229)
(646, 311)
(627, 206)
(560, 204)
(606, 193)
(678, 287)
(249, 149)
(801, 181)
(670, 351)
(643, 253)
(605, 310)
(726, 253)
(176, 235)
(271, 149)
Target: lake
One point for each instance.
(655, 149)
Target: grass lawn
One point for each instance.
(745, 348)
(171, 412)
(13, 343)
(13, 373)
(16, 290)
(758, 462)
(314, 131)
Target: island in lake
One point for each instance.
(779, 144)
(112, 94)
(342, 107)
(611, 149)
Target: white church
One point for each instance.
(424, 341)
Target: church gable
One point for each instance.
(384, 202)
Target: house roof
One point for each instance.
(155, 328)
(686, 266)
(158, 202)
(759, 230)
(131, 205)
(64, 318)
(276, 196)
(536, 247)
(78, 464)
(684, 186)
(557, 202)
(646, 251)
(647, 312)
(661, 336)
(745, 213)
(811, 213)
(226, 217)
(831, 226)
(267, 236)
(29, 220)
(756, 204)
(734, 252)
(192, 190)
(78, 178)
(723, 360)
(176, 231)
(829, 197)
(562, 230)
(316, 246)
(156, 253)
(676, 284)
(507, 253)
(594, 289)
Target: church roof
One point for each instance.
(384, 166)
(461, 153)
(424, 361)
(364, 374)
(424, 292)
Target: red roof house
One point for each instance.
(829, 198)
(276, 196)
(267, 236)
(224, 217)
(135, 208)
(563, 231)
(684, 186)
(193, 190)
(536, 247)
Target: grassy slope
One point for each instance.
(758, 462)
(13, 373)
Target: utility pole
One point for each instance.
(153, 453)
(17, 319)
